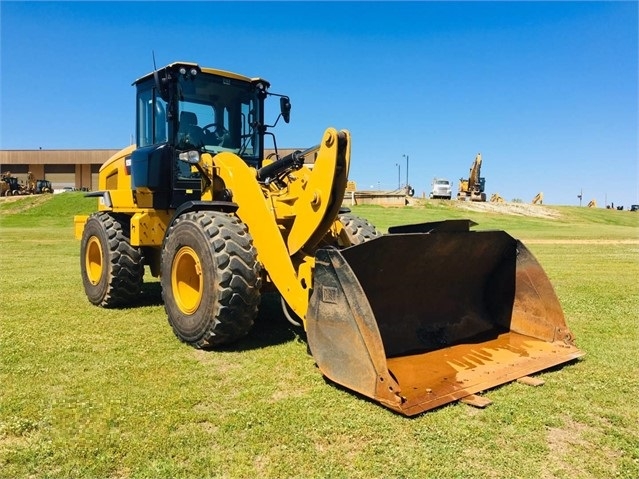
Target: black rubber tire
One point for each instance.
(358, 230)
(210, 279)
(111, 269)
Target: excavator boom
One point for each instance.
(473, 186)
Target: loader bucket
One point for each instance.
(415, 320)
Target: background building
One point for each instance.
(63, 168)
(66, 168)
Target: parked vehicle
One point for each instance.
(441, 188)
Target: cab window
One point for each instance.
(151, 118)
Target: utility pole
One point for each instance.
(399, 169)
(406, 156)
(580, 195)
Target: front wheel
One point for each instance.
(111, 268)
(210, 279)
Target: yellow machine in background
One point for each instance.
(592, 203)
(538, 199)
(35, 186)
(472, 188)
(9, 185)
(197, 203)
(496, 198)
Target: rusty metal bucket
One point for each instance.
(433, 313)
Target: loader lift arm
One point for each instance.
(316, 196)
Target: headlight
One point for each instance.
(191, 156)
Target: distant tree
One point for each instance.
(517, 200)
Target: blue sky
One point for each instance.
(546, 91)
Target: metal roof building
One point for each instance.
(65, 168)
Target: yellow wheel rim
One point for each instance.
(93, 260)
(186, 280)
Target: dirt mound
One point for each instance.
(516, 209)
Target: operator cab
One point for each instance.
(183, 108)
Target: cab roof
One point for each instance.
(210, 71)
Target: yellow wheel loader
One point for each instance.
(385, 315)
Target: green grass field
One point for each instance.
(88, 392)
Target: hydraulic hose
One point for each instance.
(292, 161)
(288, 315)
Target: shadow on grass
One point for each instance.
(271, 327)
(151, 294)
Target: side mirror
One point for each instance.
(285, 108)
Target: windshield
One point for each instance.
(442, 182)
(218, 114)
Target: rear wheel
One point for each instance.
(357, 230)
(210, 279)
(111, 268)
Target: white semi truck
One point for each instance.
(441, 189)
